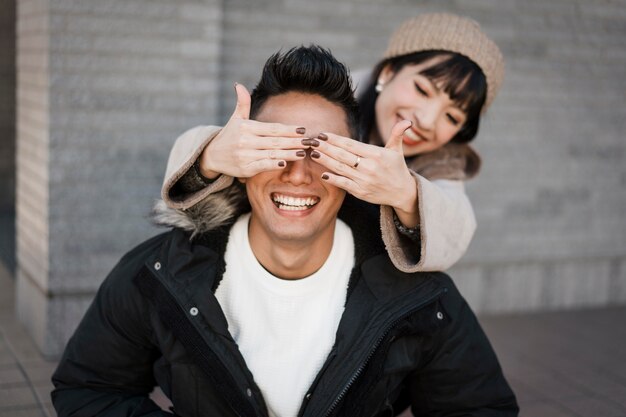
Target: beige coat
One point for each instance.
(447, 221)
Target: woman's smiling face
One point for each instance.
(407, 94)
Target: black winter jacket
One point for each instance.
(403, 340)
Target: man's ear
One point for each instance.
(241, 180)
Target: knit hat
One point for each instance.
(448, 32)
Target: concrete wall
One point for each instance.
(104, 88)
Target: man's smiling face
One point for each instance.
(295, 204)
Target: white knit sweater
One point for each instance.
(284, 328)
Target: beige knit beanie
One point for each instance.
(448, 32)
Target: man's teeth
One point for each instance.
(294, 203)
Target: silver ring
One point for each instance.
(358, 161)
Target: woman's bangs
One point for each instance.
(461, 79)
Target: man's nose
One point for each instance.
(298, 172)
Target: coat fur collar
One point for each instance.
(215, 211)
(450, 162)
(212, 217)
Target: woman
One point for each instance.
(440, 73)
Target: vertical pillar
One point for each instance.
(7, 133)
(104, 88)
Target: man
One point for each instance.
(287, 312)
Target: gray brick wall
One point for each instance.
(105, 87)
(550, 199)
(127, 78)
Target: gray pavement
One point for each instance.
(559, 363)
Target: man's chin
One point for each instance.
(293, 235)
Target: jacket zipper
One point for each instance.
(377, 344)
(232, 377)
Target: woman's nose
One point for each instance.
(426, 116)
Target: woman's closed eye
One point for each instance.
(454, 120)
(421, 90)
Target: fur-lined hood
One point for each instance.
(214, 211)
(213, 214)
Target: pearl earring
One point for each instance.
(379, 86)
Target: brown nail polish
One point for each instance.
(324, 176)
(281, 163)
(301, 131)
(315, 154)
(314, 143)
(322, 136)
(301, 153)
(306, 142)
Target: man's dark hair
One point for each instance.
(312, 70)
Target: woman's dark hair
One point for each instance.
(312, 70)
(460, 77)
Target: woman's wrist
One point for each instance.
(199, 175)
(407, 210)
(208, 174)
(412, 233)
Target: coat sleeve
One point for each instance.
(447, 225)
(176, 191)
(461, 375)
(106, 369)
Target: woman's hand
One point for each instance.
(244, 147)
(372, 173)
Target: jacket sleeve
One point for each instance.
(461, 375)
(447, 225)
(106, 369)
(176, 191)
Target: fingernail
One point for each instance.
(314, 143)
(324, 176)
(281, 163)
(301, 153)
(301, 131)
(322, 136)
(306, 142)
(315, 154)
